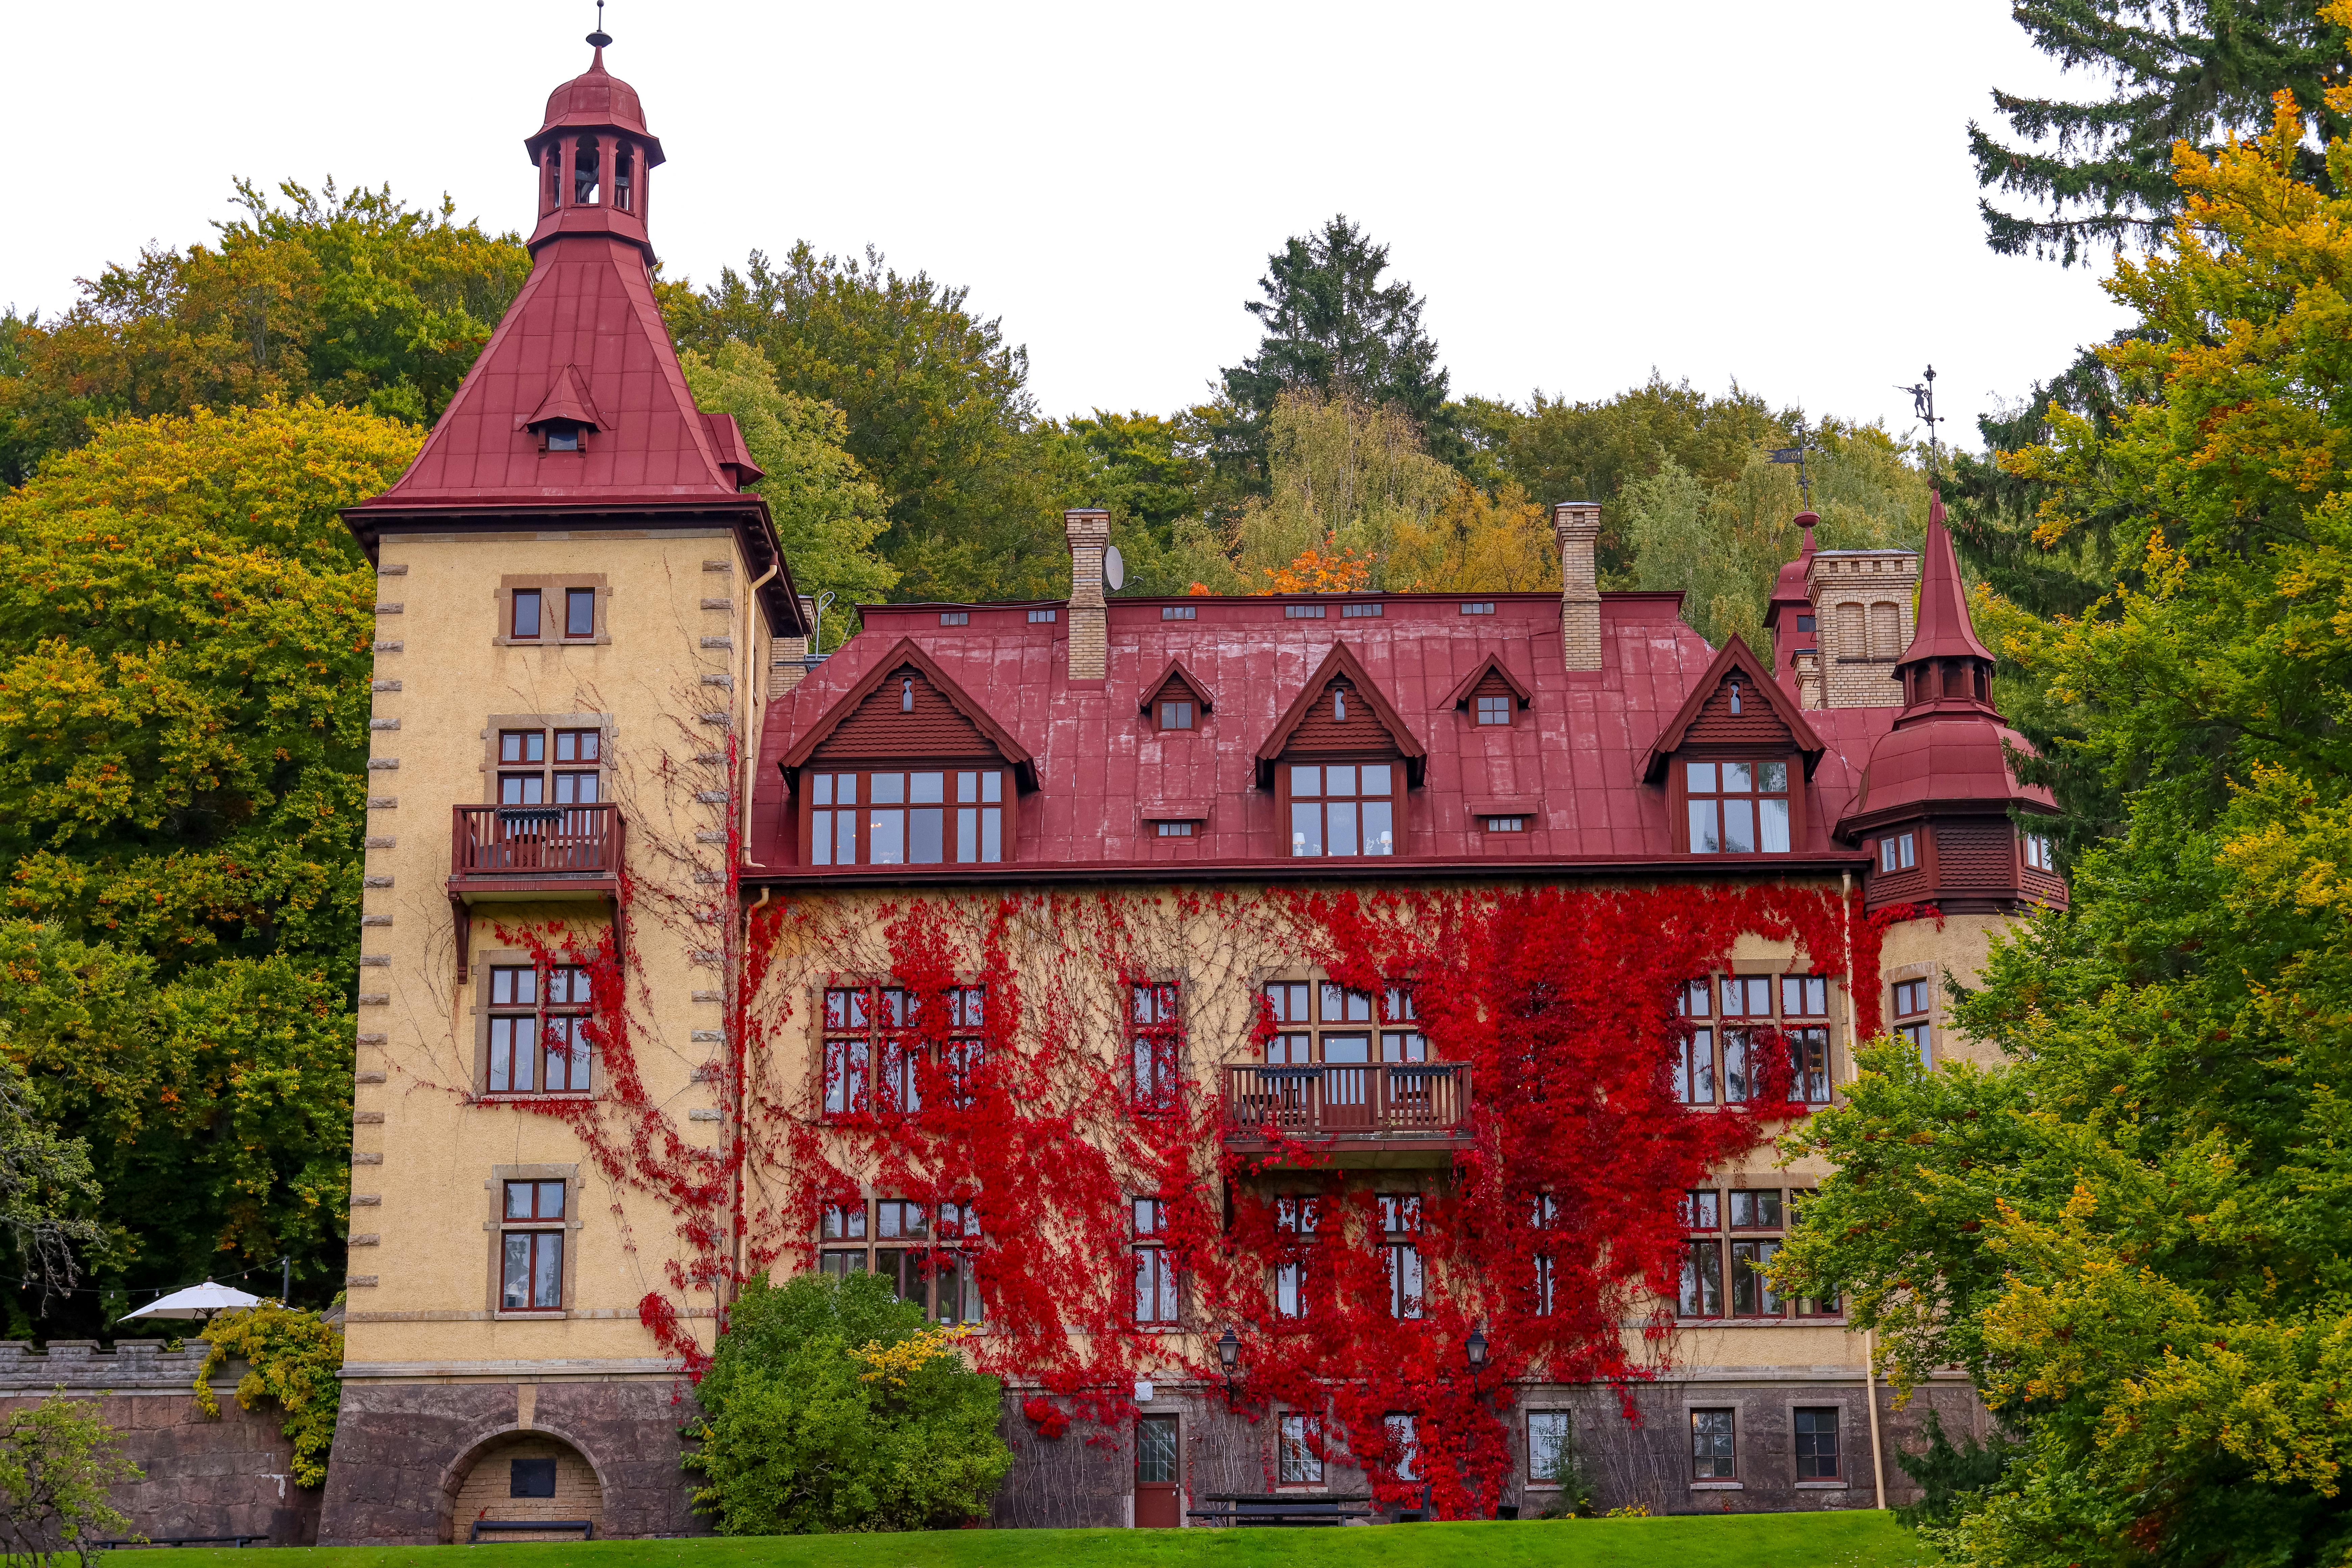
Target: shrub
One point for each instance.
(57, 1461)
(830, 1405)
(296, 1360)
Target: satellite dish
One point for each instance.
(1114, 569)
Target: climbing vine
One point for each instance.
(1553, 1229)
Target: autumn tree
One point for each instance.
(350, 297)
(2132, 1234)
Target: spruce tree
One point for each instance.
(1332, 326)
(2190, 70)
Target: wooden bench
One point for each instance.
(1281, 1509)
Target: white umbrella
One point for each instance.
(195, 1301)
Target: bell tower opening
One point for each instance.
(584, 172)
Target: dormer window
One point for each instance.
(1735, 697)
(563, 435)
(1343, 810)
(1737, 808)
(907, 696)
(1339, 704)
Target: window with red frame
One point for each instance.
(1737, 808)
(1543, 1214)
(1400, 1250)
(1746, 1005)
(1695, 1052)
(1701, 1294)
(1298, 1449)
(1154, 1047)
(1913, 1000)
(1296, 1218)
(931, 817)
(523, 776)
(530, 1245)
(1400, 1041)
(1344, 808)
(1744, 1228)
(876, 1057)
(539, 1029)
(1158, 1290)
(1803, 999)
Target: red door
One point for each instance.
(1158, 1470)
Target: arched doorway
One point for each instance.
(519, 1478)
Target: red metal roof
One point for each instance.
(1570, 759)
(1945, 629)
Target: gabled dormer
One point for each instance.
(906, 769)
(1176, 699)
(1490, 695)
(1734, 761)
(1339, 760)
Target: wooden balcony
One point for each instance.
(1369, 1116)
(535, 851)
(532, 853)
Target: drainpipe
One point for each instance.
(1869, 1338)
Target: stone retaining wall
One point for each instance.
(202, 1477)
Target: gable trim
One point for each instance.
(1459, 697)
(901, 653)
(1735, 657)
(1341, 661)
(1175, 671)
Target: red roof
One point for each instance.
(1944, 629)
(597, 99)
(1571, 760)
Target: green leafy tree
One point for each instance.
(937, 407)
(1558, 450)
(215, 1105)
(184, 627)
(350, 297)
(830, 1405)
(58, 1460)
(2134, 1234)
(827, 512)
(2175, 71)
(1332, 329)
(293, 1361)
(47, 1195)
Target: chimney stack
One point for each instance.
(1088, 529)
(788, 656)
(1577, 525)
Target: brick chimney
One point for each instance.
(1089, 530)
(1576, 524)
(787, 655)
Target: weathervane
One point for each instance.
(600, 38)
(1923, 404)
(1797, 455)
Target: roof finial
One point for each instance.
(1797, 455)
(1923, 404)
(600, 38)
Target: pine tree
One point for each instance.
(2190, 70)
(1331, 327)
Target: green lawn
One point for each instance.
(1854, 1540)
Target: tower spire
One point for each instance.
(600, 38)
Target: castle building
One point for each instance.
(1271, 1032)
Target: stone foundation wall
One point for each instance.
(405, 1451)
(203, 1479)
(1070, 1482)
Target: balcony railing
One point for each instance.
(535, 841)
(1404, 1102)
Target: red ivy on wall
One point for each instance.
(1559, 1001)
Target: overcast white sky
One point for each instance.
(1582, 191)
